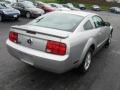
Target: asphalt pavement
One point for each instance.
(104, 73)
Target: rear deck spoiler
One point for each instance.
(59, 34)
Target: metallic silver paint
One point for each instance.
(78, 43)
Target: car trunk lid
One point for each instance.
(44, 31)
(36, 37)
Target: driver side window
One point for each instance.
(98, 21)
(20, 6)
(15, 5)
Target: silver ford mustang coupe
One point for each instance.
(60, 40)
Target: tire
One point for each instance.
(28, 15)
(16, 19)
(1, 18)
(84, 67)
(108, 42)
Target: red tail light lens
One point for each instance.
(13, 36)
(56, 48)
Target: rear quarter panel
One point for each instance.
(79, 45)
(80, 42)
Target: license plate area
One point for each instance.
(32, 42)
(15, 16)
(27, 61)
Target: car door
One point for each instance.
(100, 27)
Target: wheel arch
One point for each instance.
(90, 44)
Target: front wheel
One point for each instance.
(108, 42)
(87, 62)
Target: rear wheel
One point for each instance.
(28, 15)
(87, 62)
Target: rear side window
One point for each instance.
(88, 25)
(98, 21)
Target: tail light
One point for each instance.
(57, 48)
(13, 36)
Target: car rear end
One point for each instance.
(9, 13)
(82, 6)
(45, 42)
(46, 7)
(11, 16)
(46, 51)
(96, 8)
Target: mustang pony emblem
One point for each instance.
(29, 41)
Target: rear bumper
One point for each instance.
(11, 16)
(35, 15)
(82, 8)
(49, 62)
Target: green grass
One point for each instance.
(88, 6)
(49, 1)
(103, 7)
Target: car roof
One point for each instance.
(2, 2)
(80, 13)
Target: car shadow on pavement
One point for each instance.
(39, 79)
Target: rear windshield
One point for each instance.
(56, 20)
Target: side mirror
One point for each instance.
(106, 23)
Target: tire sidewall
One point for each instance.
(108, 41)
(82, 66)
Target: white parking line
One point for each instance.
(116, 52)
(114, 40)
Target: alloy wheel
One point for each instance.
(110, 37)
(87, 61)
